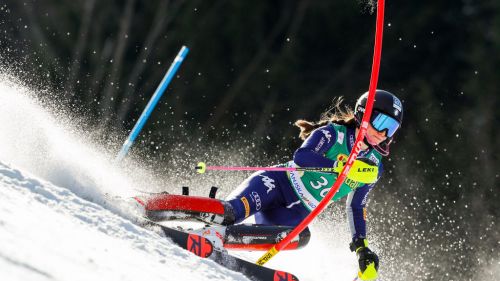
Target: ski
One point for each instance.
(254, 237)
(202, 247)
(195, 244)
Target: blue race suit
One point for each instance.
(269, 195)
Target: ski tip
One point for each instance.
(201, 168)
(284, 276)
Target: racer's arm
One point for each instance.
(356, 208)
(356, 214)
(311, 152)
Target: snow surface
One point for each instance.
(56, 222)
(48, 232)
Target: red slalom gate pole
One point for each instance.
(377, 52)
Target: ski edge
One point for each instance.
(203, 248)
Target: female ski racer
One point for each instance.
(280, 198)
(286, 198)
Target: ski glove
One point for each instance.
(363, 170)
(368, 260)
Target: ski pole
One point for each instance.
(202, 168)
(356, 148)
(152, 103)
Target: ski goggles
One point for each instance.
(383, 122)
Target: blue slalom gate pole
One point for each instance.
(152, 103)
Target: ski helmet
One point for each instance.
(386, 103)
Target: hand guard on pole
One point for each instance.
(363, 170)
(368, 260)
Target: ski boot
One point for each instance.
(214, 233)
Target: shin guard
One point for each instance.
(179, 207)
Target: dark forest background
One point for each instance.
(255, 67)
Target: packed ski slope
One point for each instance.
(57, 224)
(49, 233)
